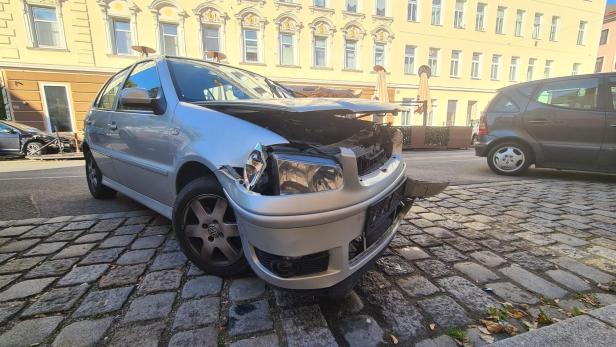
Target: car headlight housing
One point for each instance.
(255, 166)
(299, 174)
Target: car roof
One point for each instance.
(554, 79)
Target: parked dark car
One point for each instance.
(561, 123)
(18, 139)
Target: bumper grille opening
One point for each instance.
(294, 266)
(371, 160)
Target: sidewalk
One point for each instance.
(598, 328)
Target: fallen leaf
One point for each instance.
(394, 340)
(432, 326)
(603, 287)
(483, 330)
(510, 329)
(487, 338)
(492, 327)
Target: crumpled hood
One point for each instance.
(304, 105)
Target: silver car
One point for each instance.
(306, 192)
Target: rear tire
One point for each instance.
(510, 158)
(206, 229)
(94, 177)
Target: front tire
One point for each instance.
(206, 229)
(35, 148)
(509, 159)
(94, 176)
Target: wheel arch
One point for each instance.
(189, 171)
(531, 148)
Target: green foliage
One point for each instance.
(576, 312)
(457, 333)
(437, 136)
(543, 318)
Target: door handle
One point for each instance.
(613, 125)
(537, 121)
(113, 126)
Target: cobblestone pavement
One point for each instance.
(120, 279)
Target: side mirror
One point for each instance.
(140, 99)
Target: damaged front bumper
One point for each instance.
(324, 240)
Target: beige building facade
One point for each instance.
(606, 55)
(55, 54)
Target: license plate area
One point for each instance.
(381, 215)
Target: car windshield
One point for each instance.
(197, 81)
(23, 127)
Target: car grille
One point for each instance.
(294, 266)
(371, 161)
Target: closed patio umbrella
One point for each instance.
(380, 92)
(423, 93)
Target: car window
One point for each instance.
(613, 91)
(575, 94)
(107, 96)
(144, 76)
(504, 104)
(4, 128)
(201, 82)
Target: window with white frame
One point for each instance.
(519, 23)
(500, 19)
(537, 26)
(320, 51)
(436, 12)
(513, 69)
(554, 28)
(46, 27)
(350, 54)
(476, 66)
(320, 3)
(380, 8)
(211, 38)
(530, 71)
(287, 49)
(351, 6)
(576, 69)
(458, 14)
(122, 37)
(251, 46)
(409, 59)
(547, 70)
(169, 38)
(494, 69)
(379, 54)
(433, 60)
(480, 17)
(454, 66)
(412, 11)
(581, 38)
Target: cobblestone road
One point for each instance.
(120, 280)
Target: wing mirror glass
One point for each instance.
(139, 99)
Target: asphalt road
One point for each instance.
(49, 189)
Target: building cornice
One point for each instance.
(63, 68)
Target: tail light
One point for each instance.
(483, 125)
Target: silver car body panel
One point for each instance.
(290, 225)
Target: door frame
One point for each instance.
(67, 87)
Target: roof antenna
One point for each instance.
(145, 51)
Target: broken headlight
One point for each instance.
(255, 166)
(298, 174)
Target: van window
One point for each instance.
(107, 96)
(503, 104)
(575, 94)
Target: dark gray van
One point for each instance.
(561, 123)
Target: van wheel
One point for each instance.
(509, 159)
(206, 229)
(94, 176)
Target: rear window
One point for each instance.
(503, 104)
(578, 94)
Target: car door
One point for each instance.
(142, 155)
(98, 125)
(10, 143)
(567, 120)
(607, 156)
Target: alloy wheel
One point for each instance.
(33, 148)
(509, 158)
(211, 230)
(92, 173)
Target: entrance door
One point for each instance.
(57, 106)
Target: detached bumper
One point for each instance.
(316, 251)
